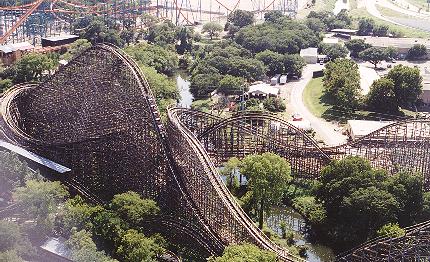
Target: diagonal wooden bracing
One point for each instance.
(98, 117)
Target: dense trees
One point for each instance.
(294, 65)
(232, 85)
(131, 207)
(97, 29)
(76, 48)
(273, 16)
(360, 200)
(329, 20)
(374, 55)
(382, 97)
(241, 18)
(274, 104)
(407, 84)
(161, 59)
(31, 67)
(335, 51)
(245, 253)
(356, 46)
(212, 29)
(342, 83)
(365, 26)
(417, 51)
(273, 61)
(268, 176)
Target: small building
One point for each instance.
(262, 91)
(344, 33)
(275, 80)
(55, 250)
(357, 129)
(11, 52)
(330, 40)
(59, 40)
(283, 79)
(310, 55)
(425, 95)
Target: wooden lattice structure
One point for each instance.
(399, 146)
(98, 117)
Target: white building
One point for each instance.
(262, 91)
(310, 55)
(359, 128)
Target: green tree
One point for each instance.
(213, 29)
(407, 84)
(273, 61)
(32, 66)
(84, 249)
(163, 60)
(241, 18)
(365, 26)
(382, 97)
(12, 173)
(342, 83)
(136, 247)
(5, 84)
(97, 29)
(109, 228)
(316, 25)
(185, 37)
(133, 208)
(356, 46)
(232, 85)
(245, 253)
(41, 200)
(77, 214)
(162, 34)
(10, 256)
(417, 51)
(391, 230)
(204, 84)
(268, 176)
(274, 104)
(273, 16)
(76, 48)
(229, 171)
(380, 30)
(10, 235)
(335, 51)
(294, 64)
(374, 55)
(249, 69)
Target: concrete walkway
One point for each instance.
(329, 132)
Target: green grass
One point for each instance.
(359, 13)
(313, 96)
(320, 5)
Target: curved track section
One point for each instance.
(413, 246)
(97, 116)
(400, 146)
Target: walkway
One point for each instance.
(325, 130)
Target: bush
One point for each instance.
(307, 206)
(392, 230)
(417, 52)
(274, 104)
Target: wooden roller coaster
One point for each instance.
(98, 117)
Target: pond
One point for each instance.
(183, 84)
(296, 223)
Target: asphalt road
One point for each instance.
(329, 132)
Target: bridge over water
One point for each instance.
(98, 117)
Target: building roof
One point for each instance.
(360, 128)
(311, 51)
(57, 246)
(330, 40)
(9, 48)
(394, 42)
(344, 31)
(60, 37)
(263, 89)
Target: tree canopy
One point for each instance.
(268, 176)
(374, 55)
(407, 84)
(213, 29)
(245, 253)
(241, 18)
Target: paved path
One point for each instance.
(325, 130)
(367, 76)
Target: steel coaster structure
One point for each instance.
(41, 18)
(98, 117)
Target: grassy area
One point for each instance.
(312, 97)
(359, 13)
(320, 5)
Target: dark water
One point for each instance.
(184, 90)
(296, 223)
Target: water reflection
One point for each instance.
(296, 223)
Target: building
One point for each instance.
(310, 55)
(11, 52)
(262, 91)
(344, 33)
(55, 250)
(402, 45)
(357, 129)
(59, 40)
